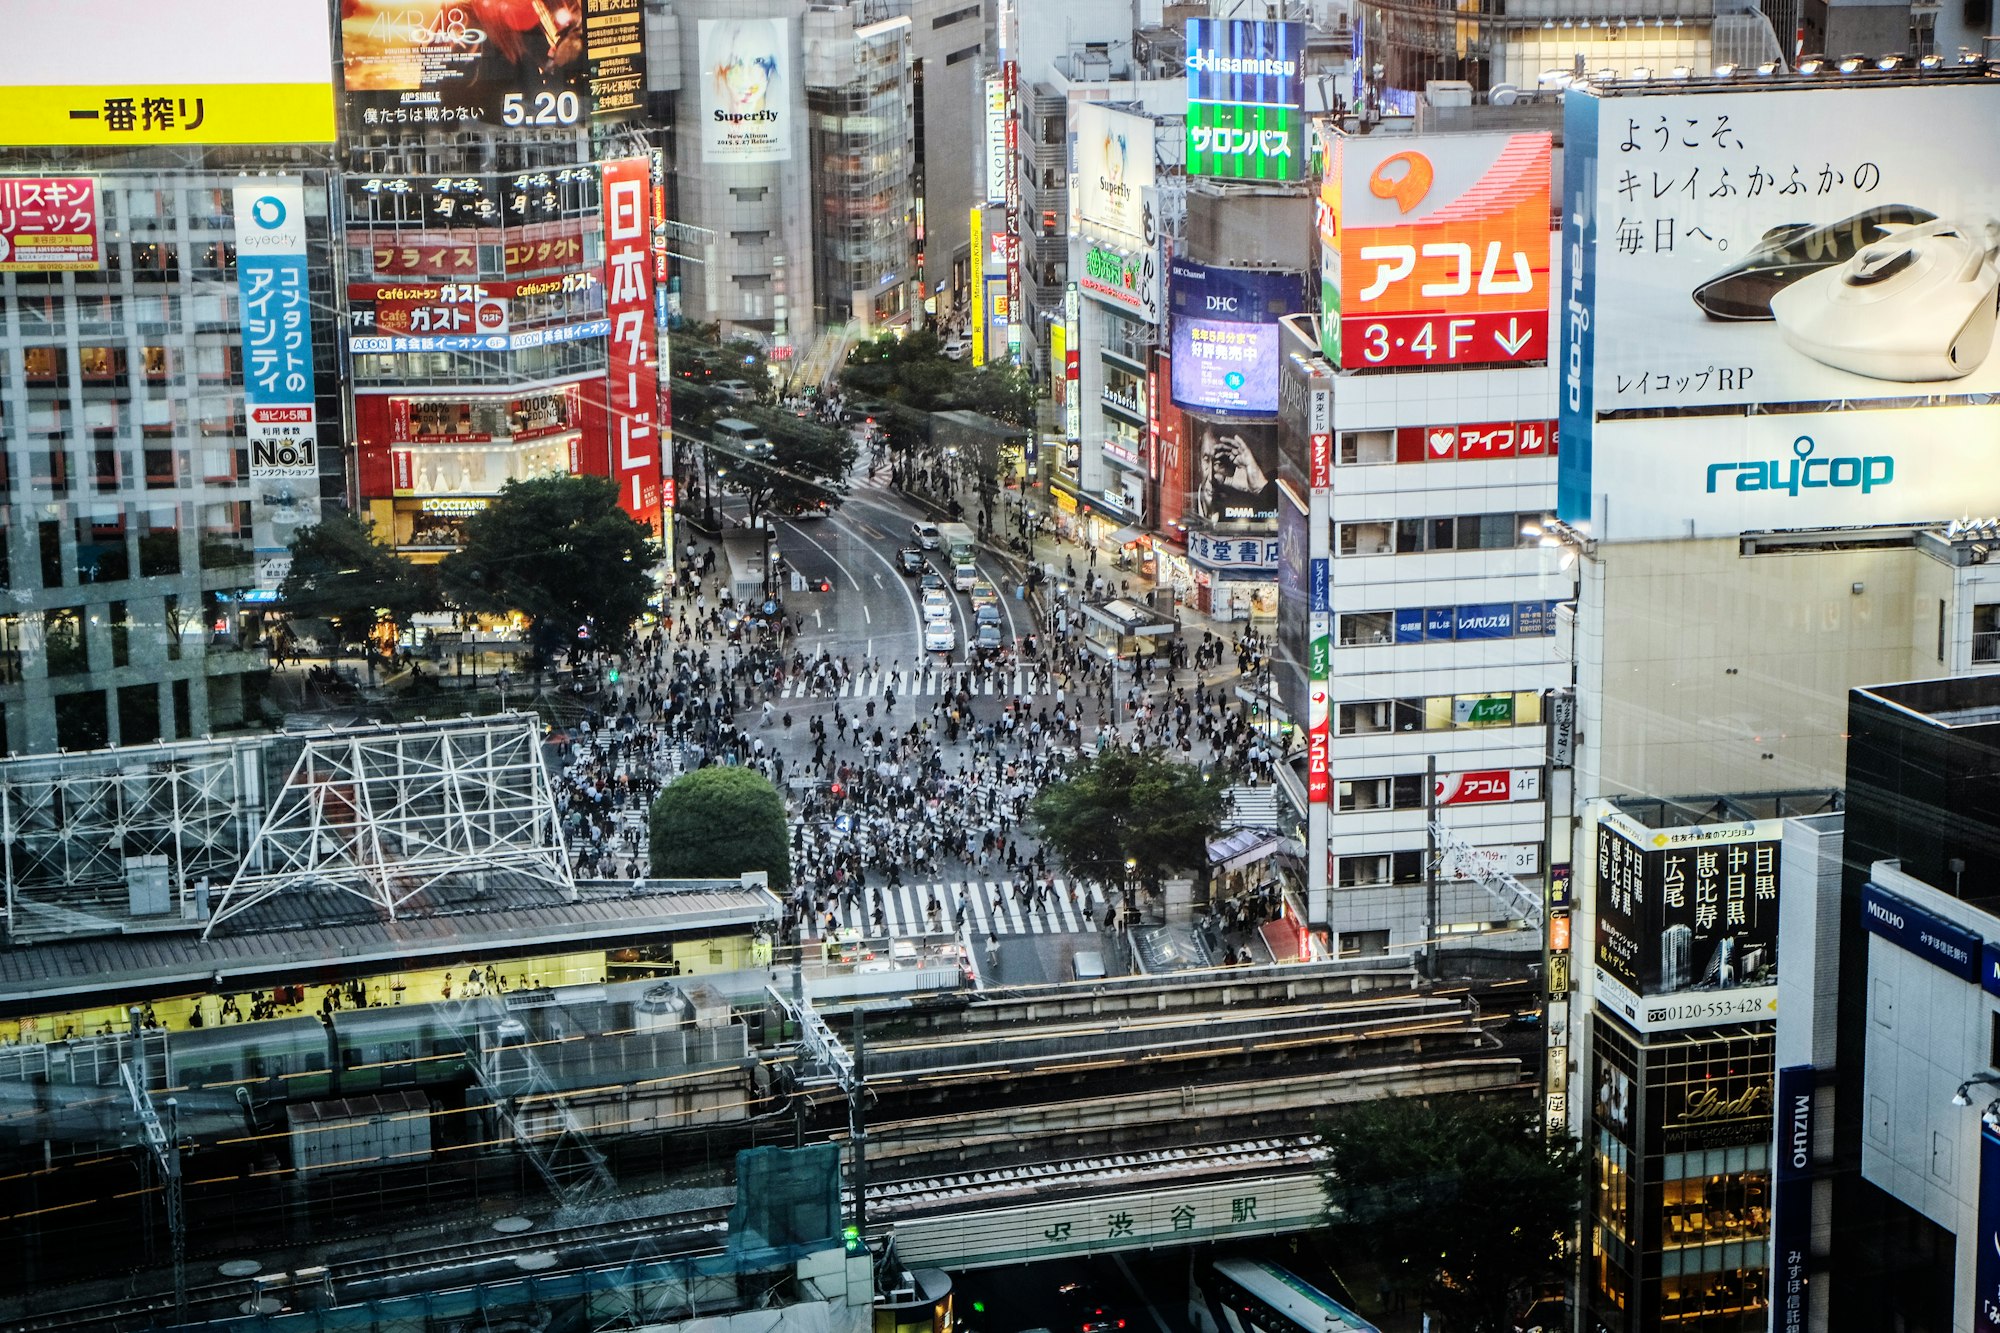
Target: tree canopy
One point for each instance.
(1464, 1195)
(344, 573)
(1119, 806)
(717, 823)
(559, 550)
(808, 463)
(914, 372)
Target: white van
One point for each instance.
(743, 437)
(1087, 965)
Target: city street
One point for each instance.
(948, 748)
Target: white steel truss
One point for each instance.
(72, 824)
(385, 813)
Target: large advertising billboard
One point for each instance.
(997, 161)
(1435, 251)
(1235, 470)
(136, 73)
(1986, 1268)
(1128, 279)
(276, 303)
(745, 90)
(634, 396)
(49, 224)
(512, 63)
(1246, 99)
(614, 42)
(1687, 920)
(1226, 336)
(1789, 249)
(1114, 167)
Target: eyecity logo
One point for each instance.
(1805, 472)
(268, 212)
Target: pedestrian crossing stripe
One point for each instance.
(905, 910)
(911, 684)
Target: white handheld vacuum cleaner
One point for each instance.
(1916, 306)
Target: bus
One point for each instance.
(1251, 1296)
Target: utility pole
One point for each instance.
(857, 1124)
(1430, 867)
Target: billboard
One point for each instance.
(1226, 337)
(1246, 99)
(1986, 1268)
(275, 298)
(976, 315)
(1128, 279)
(49, 224)
(1435, 255)
(1725, 258)
(513, 63)
(1114, 166)
(1235, 469)
(745, 95)
(634, 375)
(136, 73)
(1687, 919)
(1492, 786)
(614, 42)
(996, 139)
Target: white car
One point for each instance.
(937, 605)
(925, 535)
(940, 637)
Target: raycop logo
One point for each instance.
(1804, 472)
(1211, 62)
(268, 212)
(1579, 314)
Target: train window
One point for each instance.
(350, 1056)
(404, 1050)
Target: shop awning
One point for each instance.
(1127, 536)
(1244, 847)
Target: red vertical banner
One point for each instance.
(634, 396)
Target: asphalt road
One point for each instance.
(874, 610)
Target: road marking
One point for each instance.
(817, 622)
(867, 614)
(878, 579)
(828, 554)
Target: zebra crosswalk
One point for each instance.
(990, 908)
(912, 683)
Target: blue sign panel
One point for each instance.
(1438, 621)
(1791, 1200)
(1575, 353)
(1492, 620)
(1925, 934)
(1322, 584)
(1986, 1268)
(1410, 625)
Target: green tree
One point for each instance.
(1466, 1195)
(1144, 808)
(559, 550)
(717, 823)
(343, 572)
(808, 463)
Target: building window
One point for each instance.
(63, 641)
(1985, 632)
(1377, 717)
(1462, 532)
(1364, 943)
(1365, 447)
(1402, 792)
(1376, 869)
(1373, 538)
(1367, 627)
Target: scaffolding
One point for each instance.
(131, 839)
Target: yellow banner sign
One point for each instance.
(150, 115)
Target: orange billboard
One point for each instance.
(1435, 251)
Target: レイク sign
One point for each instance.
(628, 303)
